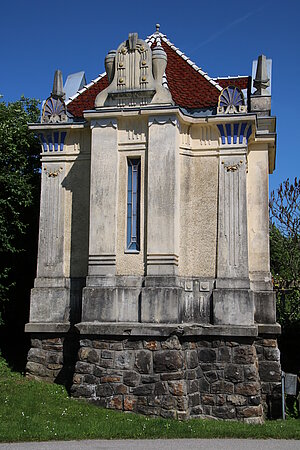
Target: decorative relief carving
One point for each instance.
(135, 74)
(231, 101)
(53, 174)
(162, 120)
(232, 167)
(104, 123)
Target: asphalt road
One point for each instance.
(159, 444)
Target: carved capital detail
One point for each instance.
(104, 123)
(162, 120)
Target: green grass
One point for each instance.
(36, 411)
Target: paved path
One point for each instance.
(159, 444)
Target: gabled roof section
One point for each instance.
(242, 82)
(190, 86)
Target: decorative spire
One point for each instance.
(57, 90)
(261, 81)
(157, 27)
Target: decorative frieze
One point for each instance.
(237, 133)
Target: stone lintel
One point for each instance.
(143, 329)
(43, 327)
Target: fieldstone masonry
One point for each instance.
(153, 291)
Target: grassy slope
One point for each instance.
(39, 411)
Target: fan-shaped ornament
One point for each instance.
(231, 101)
(54, 110)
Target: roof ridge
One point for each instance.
(85, 88)
(158, 34)
(229, 77)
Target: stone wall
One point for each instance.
(52, 358)
(171, 377)
(178, 378)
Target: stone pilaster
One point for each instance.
(161, 303)
(232, 303)
(258, 233)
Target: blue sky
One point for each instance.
(222, 37)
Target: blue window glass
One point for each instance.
(133, 204)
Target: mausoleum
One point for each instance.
(153, 291)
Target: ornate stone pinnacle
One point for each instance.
(262, 81)
(57, 90)
(157, 27)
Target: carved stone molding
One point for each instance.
(162, 120)
(104, 123)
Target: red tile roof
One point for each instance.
(190, 87)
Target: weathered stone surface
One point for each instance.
(172, 343)
(269, 371)
(208, 399)
(237, 400)
(104, 390)
(269, 342)
(194, 399)
(224, 354)
(149, 378)
(204, 385)
(151, 345)
(100, 344)
(207, 355)
(171, 376)
(247, 388)
(222, 387)
(107, 354)
(125, 359)
(191, 359)
(249, 411)
(192, 386)
(177, 387)
(250, 373)
(120, 389)
(164, 361)
(244, 354)
(161, 388)
(129, 403)
(272, 354)
(211, 376)
(144, 389)
(116, 402)
(224, 412)
(143, 361)
(82, 367)
(131, 378)
(83, 390)
(234, 373)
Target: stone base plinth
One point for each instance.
(52, 358)
(179, 378)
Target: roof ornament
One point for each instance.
(261, 81)
(135, 75)
(157, 27)
(54, 109)
(231, 101)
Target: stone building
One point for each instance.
(153, 291)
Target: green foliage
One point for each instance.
(36, 411)
(19, 181)
(285, 251)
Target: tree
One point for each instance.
(19, 191)
(285, 250)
